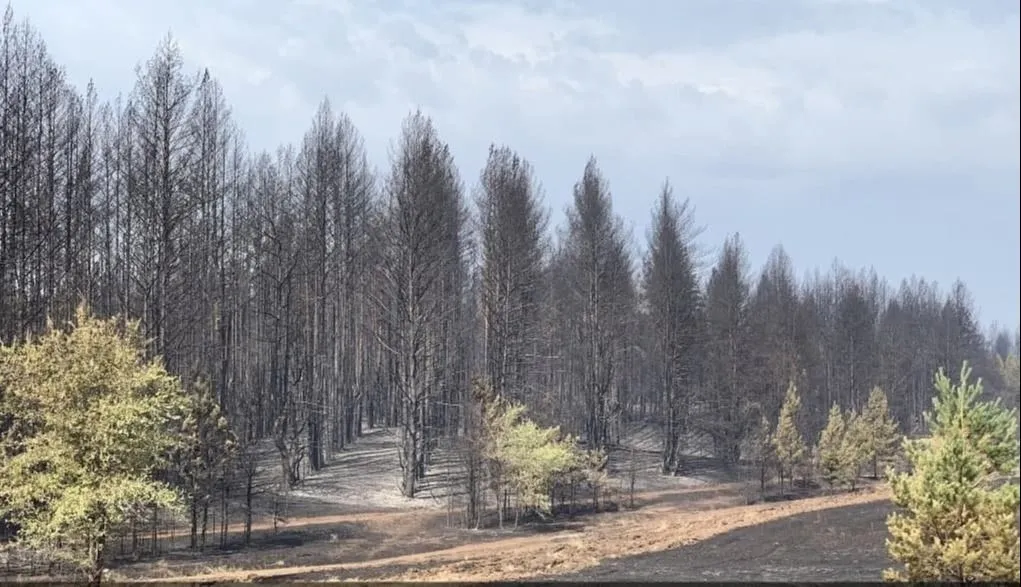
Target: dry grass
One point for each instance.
(653, 529)
(388, 535)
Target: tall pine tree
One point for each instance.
(953, 523)
(672, 299)
(787, 440)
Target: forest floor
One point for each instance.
(348, 521)
(843, 544)
(410, 545)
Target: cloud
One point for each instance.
(835, 85)
(890, 88)
(792, 120)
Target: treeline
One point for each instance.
(316, 296)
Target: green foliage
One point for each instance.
(1009, 370)
(207, 453)
(208, 443)
(523, 456)
(955, 524)
(857, 438)
(788, 444)
(1008, 367)
(759, 446)
(842, 447)
(832, 453)
(761, 442)
(592, 466)
(531, 457)
(877, 436)
(90, 421)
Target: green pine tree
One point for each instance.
(788, 444)
(1010, 372)
(532, 456)
(832, 452)
(858, 436)
(90, 421)
(958, 518)
(521, 456)
(206, 456)
(879, 431)
(761, 445)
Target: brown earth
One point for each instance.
(347, 521)
(845, 544)
(409, 545)
(362, 536)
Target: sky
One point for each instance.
(882, 133)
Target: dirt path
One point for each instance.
(666, 525)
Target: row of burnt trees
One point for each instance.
(319, 297)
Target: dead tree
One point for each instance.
(513, 249)
(421, 244)
(672, 301)
(598, 273)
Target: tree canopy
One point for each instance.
(788, 443)
(958, 520)
(90, 420)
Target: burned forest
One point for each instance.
(415, 329)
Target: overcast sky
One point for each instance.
(881, 133)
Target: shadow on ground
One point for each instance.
(841, 544)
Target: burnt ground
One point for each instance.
(565, 550)
(363, 537)
(348, 522)
(840, 544)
